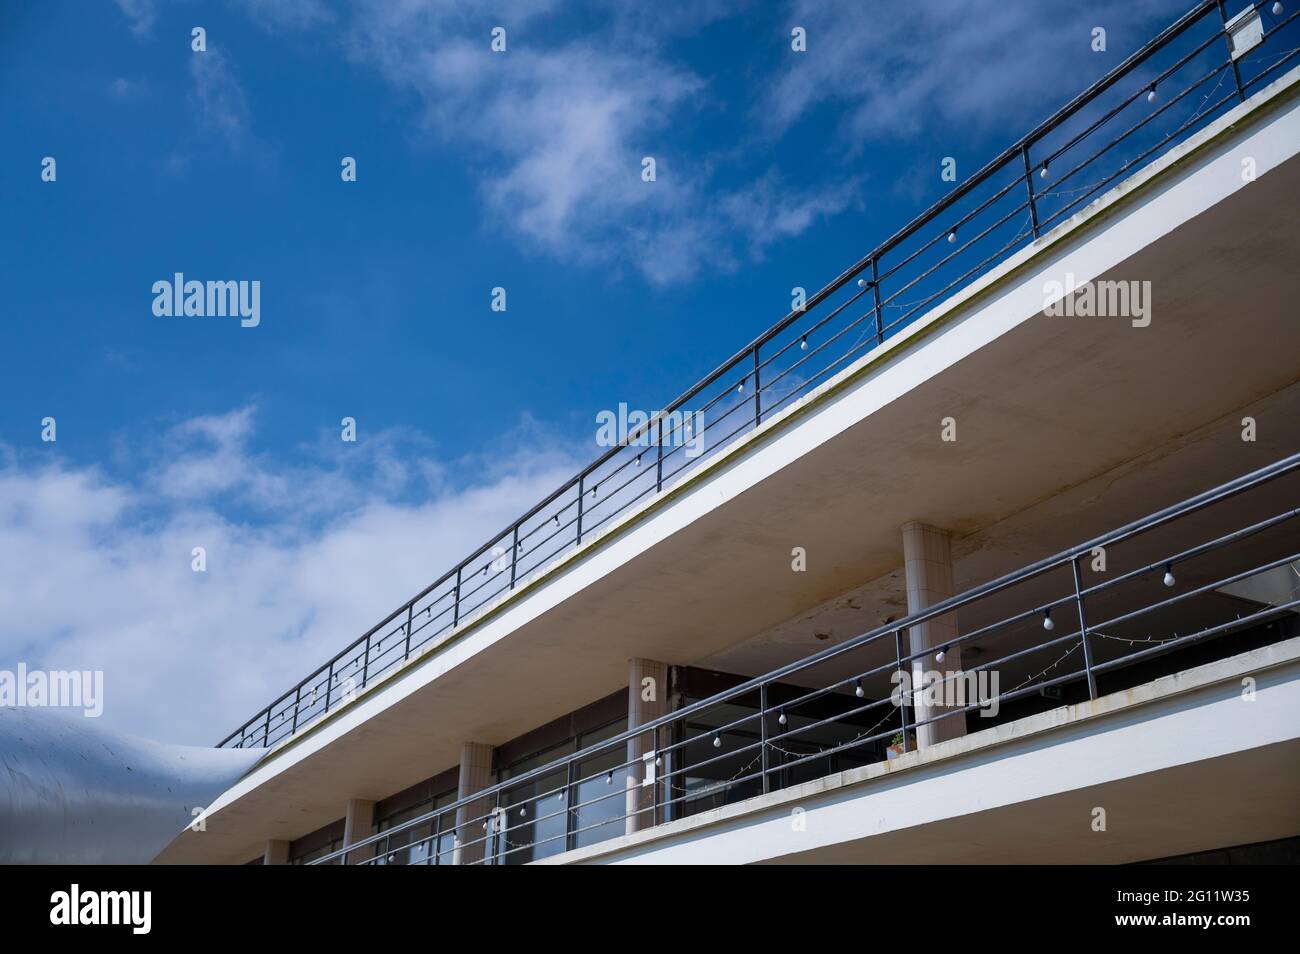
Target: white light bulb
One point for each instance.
(1151, 96)
(803, 344)
(1047, 622)
(952, 236)
(858, 691)
(939, 655)
(1277, 9)
(1169, 577)
(1042, 173)
(862, 283)
(781, 718)
(717, 742)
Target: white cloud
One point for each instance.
(966, 65)
(103, 578)
(559, 132)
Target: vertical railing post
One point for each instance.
(1083, 630)
(514, 556)
(297, 701)
(758, 391)
(570, 782)
(365, 666)
(762, 734)
(659, 463)
(581, 479)
(1227, 38)
(654, 789)
(903, 678)
(455, 606)
(329, 685)
(1029, 186)
(266, 732)
(875, 294)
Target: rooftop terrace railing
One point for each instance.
(1225, 563)
(1176, 83)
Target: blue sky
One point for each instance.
(475, 170)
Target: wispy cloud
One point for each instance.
(218, 98)
(560, 132)
(902, 67)
(105, 580)
(140, 14)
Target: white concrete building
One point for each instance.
(1086, 523)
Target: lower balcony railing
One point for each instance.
(1212, 576)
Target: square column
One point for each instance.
(358, 823)
(277, 852)
(647, 700)
(927, 554)
(475, 775)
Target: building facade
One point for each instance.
(987, 552)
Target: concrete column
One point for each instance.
(358, 823)
(647, 700)
(277, 852)
(475, 775)
(927, 553)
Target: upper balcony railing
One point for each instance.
(1178, 82)
(1214, 575)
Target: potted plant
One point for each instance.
(896, 745)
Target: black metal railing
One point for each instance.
(1214, 575)
(1179, 81)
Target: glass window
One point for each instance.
(532, 820)
(600, 800)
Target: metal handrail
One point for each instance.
(577, 511)
(901, 660)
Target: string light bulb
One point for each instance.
(940, 654)
(781, 719)
(952, 236)
(1151, 95)
(857, 688)
(740, 388)
(803, 343)
(1169, 575)
(1277, 9)
(862, 283)
(717, 742)
(1047, 620)
(1042, 173)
